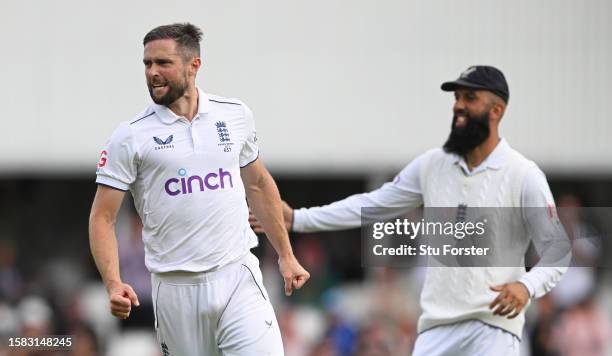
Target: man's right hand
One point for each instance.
(122, 297)
(287, 217)
(293, 273)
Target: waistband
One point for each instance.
(186, 277)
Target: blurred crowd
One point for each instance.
(332, 316)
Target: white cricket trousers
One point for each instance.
(226, 312)
(466, 338)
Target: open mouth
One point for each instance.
(157, 88)
(461, 120)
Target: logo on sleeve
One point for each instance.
(224, 137)
(103, 159)
(163, 144)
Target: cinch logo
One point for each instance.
(185, 185)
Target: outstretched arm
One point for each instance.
(391, 200)
(264, 200)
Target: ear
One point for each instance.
(497, 111)
(195, 65)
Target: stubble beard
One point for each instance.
(175, 91)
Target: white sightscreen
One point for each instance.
(334, 85)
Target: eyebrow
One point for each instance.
(156, 60)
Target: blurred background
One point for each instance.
(345, 94)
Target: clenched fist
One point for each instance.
(122, 297)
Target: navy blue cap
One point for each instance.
(481, 77)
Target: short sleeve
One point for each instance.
(117, 166)
(250, 150)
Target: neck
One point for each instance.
(476, 156)
(187, 105)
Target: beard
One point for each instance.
(175, 91)
(464, 139)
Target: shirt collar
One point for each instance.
(167, 116)
(495, 160)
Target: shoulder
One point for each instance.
(535, 191)
(142, 121)
(415, 167)
(436, 156)
(534, 176)
(139, 119)
(514, 156)
(145, 122)
(221, 100)
(529, 182)
(126, 130)
(220, 103)
(524, 170)
(122, 132)
(434, 153)
(229, 106)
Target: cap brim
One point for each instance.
(459, 83)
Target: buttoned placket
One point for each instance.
(193, 132)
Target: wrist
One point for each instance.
(112, 283)
(286, 255)
(527, 289)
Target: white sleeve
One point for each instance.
(250, 150)
(545, 229)
(397, 197)
(118, 162)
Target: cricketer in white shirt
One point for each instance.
(467, 310)
(191, 162)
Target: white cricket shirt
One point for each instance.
(185, 180)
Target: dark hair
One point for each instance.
(186, 35)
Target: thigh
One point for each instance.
(469, 338)
(180, 332)
(438, 341)
(493, 341)
(248, 324)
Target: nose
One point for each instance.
(151, 71)
(459, 105)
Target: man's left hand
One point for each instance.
(512, 298)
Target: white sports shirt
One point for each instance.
(185, 180)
